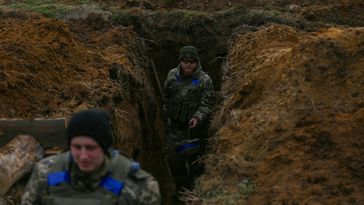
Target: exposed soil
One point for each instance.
(51, 68)
(289, 75)
(289, 129)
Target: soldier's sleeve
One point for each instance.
(148, 189)
(207, 99)
(37, 184)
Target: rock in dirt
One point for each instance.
(18, 158)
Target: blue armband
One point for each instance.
(56, 178)
(112, 185)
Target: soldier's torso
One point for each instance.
(184, 97)
(185, 89)
(61, 192)
(66, 196)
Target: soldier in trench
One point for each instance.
(189, 101)
(91, 172)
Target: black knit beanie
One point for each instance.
(93, 123)
(189, 52)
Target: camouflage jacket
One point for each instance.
(187, 97)
(139, 186)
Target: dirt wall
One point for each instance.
(289, 129)
(52, 68)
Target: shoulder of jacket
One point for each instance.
(172, 75)
(49, 161)
(123, 166)
(55, 163)
(173, 71)
(140, 175)
(46, 165)
(203, 77)
(119, 160)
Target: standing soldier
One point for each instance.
(91, 172)
(189, 100)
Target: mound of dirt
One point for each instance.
(52, 68)
(290, 126)
(216, 5)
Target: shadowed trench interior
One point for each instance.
(162, 48)
(163, 34)
(163, 57)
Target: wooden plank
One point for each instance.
(48, 132)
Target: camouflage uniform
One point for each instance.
(137, 186)
(186, 97)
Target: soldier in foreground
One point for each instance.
(91, 172)
(189, 100)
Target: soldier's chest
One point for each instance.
(186, 87)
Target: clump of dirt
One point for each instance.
(53, 68)
(289, 129)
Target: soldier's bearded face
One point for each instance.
(87, 153)
(188, 67)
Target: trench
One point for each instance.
(164, 57)
(161, 42)
(162, 34)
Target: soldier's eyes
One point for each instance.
(86, 147)
(90, 147)
(76, 146)
(188, 61)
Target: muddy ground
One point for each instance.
(289, 76)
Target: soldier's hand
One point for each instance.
(193, 123)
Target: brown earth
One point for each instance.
(50, 68)
(288, 126)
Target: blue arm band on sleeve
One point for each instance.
(112, 185)
(56, 178)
